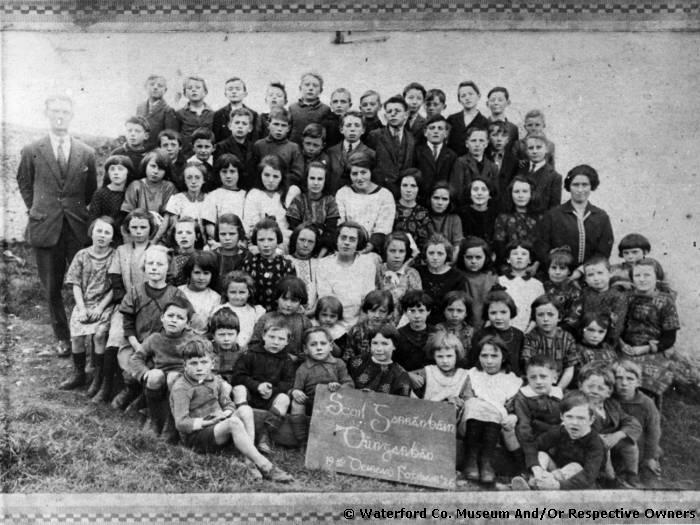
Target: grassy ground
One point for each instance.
(55, 441)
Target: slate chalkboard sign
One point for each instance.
(383, 436)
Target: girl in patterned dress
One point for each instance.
(518, 223)
(456, 311)
(395, 274)
(119, 172)
(565, 292)
(411, 217)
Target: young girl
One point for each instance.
(316, 206)
(565, 292)
(456, 310)
(268, 198)
(239, 290)
(411, 217)
(202, 271)
(376, 370)
(475, 260)
(632, 248)
(479, 215)
(290, 296)
(189, 203)
(520, 285)
(89, 319)
(593, 346)
(329, 315)
(472, 165)
(395, 275)
(267, 267)
(108, 200)
(184, 234)
(152, 190)
(550, 339)
(228, 199)
(377, 307)
(442, 218)
(491, 386)
(500, 309)
(230, 252)
(518, 222)
(650, 329)
(303, 247)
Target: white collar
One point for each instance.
(555, 392)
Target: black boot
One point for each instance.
(300, 428)
(169, 433)
(272, 422)
(156, 411)
(109, 367)
(127, 395)
(78, 378)
(97, 374)
(472, 444)
(490, 437)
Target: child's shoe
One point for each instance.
(274, 473)
(519, 483)
(78, 377)
(471, 467)
(300, 429)
(126, 396)
(169, 433)
(252, 470)
(97, 375)
(264, 444)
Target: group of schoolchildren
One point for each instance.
(193, 296)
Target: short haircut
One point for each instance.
(575, 399)
(534, 113)
(562, 256)
(475, 129)
(595, 260)
(170, 134)
(396, 99)
(362, 237)
(196, 349)
(633, 241)
(107, 220)
(510, 205)
(457, 296)
(315, 330)
(438, 238)
(437, 118)
(331, 303)
(543, 361)
(293, 288)
(203, 134)
(521, 243)
(586, 171)
(233, 220)
(536, 135)
(600, 317)
(155, 77)
(542, 300)
(208, 262)
(496, 342)
(58, 98)
(295, 236)
(143, 214)
(414, 86)
(266, 224)
(443, 339)
(344, 92)
(444, 185)
(371, 93)
(241, 277)
(415, 298)
(199, 166)
(629, 366)
(498, 294)
(118, 160)
(652, 263)
(361, 159)
(499, 126)
(411, 172)
(280, 114)
(225, 319)
(597, 368)
(354, 114)
(185, 219)
(160, 157)
(468, 83)
(280, 86)
(229, 159)
(237, 79)
(156, 249)
(436, 93)
(275, 321)
(139, 121)
(315, 75)
(241, 112)
(498, 89)
(387, 330)
(196, 78)
(314, 131)
(376, 299)
(398, 236)
(180, 301)
(472, 241)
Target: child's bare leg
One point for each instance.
(281, 404)
(298, 408)
(240, 395)
(233, 428)
(100, 339)
(245, 414)
(567, 471)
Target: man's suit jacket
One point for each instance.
(509, 169)
(52, 197)
(391, 157)
(160, 116)
(432, 169)
(338, 162)
(458, 131)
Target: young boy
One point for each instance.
(393, 145)
(433, 158)
(410, 354)
(224, 327)
(164, 350)
(196, 113)
(341, 101)
(545, 180)
(319, 368)
(277, 143)
(235, 92)
(207, 419)
(263, 376)
(628, 379)
(570, 455)
(435, 100)
(275, 98)
(156, 110)
(137, 132)
(497, 100)
(414, 95)
(240, 144)
(370, 103)
(500, 153)
(352, 128)
(473, 164)
(469, 117)
(171, 141)
(312, 145)
(598, 296)
(534, 123)
(309, 109)
(536, 406)
(203, 147)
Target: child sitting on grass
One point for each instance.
(207, 419)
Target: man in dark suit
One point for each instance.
(433, 158)
(394, 146)
(56, 178)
